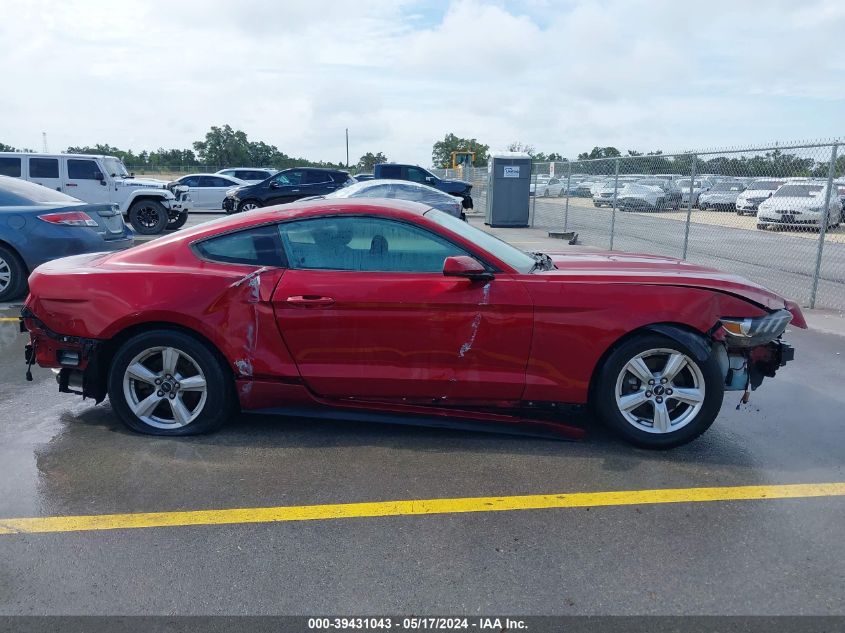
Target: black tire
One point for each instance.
(148, 217)
(605, 394)
(11, 265)
(214, 410)
(761, 226)
(178, 222)
(246, 203)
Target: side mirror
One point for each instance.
(275, 185)
(98, 175)
(465, 266)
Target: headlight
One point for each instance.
(753, 332)
(231, 192)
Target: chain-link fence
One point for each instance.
(771, 214)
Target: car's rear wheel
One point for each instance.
(166, 382)
(148, 217)
(248, 205)
(655, 394)
(12, 274)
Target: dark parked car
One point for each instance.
(395, 171)
(38, 224)
(672, 192)
(286, 186)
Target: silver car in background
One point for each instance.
(403, 190)
(721, 197)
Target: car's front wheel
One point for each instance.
(177, 221)
(655, 393)
(166, 382)
(148, 217)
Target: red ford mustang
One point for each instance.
(395, 311)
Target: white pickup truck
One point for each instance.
(151, 206)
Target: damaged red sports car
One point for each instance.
(395, 311)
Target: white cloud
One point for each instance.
(562, 76)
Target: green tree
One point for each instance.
(223, 146)
(600, 152)
(370, 160)
(519, 146)
(441, 151)
(7, 148)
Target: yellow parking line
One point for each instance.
(414, 507)
(9, 319)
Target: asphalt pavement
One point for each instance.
(62, 456)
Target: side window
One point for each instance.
(81, 169)
(377, 191)
(316, 177)
(43, 167)
(190, 181)
(289, 178)
(10, 166)
(214, 181)
(391, 171)
(260, 246)
(416, 174)
(364, 244)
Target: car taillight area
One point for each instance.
(48, 348)
(69, 218)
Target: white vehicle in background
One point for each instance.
(554, 186)
(151, 206)
(801, 205)
(603, 195)
(250, 175)
(538, 185)
(637, 197)
(699, 186)
(756, 192)
(208, 190)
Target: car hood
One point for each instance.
(631, 268)
(790, 203)
(136, 183)
(756, 193)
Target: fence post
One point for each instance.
(534, 201)
(823, 225)
(689, 206)
(566, 208)
(613, 214)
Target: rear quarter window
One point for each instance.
(259, 246)
(10, 166)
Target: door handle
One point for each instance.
(308, 301)
(294, 190)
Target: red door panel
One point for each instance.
(398, 336)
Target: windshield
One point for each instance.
(765, 185)
(799, 191)
(20, 193)
(727, 186)
(114, 167)
(513, 257)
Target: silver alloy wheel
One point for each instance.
(5, 274)
(249, 206)
(660, 391)
(164, 387)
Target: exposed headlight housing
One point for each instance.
(751, 332)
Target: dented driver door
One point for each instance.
(366, 311)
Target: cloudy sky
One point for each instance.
(562, 76)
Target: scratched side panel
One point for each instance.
(576, 322)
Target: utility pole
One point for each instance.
(44, 143)
(347, 148)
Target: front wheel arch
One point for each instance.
(678, 332)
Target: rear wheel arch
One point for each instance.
(106, 351)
